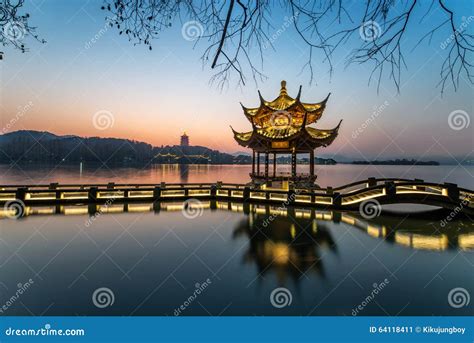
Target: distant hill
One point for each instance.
(398, 162)
(38, 146)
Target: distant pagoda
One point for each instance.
(184, 140)
(282, 126)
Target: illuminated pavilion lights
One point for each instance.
(282, 126)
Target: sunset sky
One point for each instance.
(156, 95)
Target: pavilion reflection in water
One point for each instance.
(285, 247)
(294, 228)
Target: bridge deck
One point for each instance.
(351, 196)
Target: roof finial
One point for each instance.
(283, 88)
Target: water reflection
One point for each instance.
(292, 236)
(287, 248)
(255, 249)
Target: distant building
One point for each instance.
(184, 140)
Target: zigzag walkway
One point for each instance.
(350, 197)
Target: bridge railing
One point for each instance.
(347, 195)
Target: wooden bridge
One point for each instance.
(350, 197)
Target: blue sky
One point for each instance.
(155, 95)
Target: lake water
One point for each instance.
(328, 175)
(227, 259)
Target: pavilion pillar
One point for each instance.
(311, 163)
(293, 163)
(266, 164)
(258, 162)
(274, 164)
(253, 161)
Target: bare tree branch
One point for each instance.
(14, 27)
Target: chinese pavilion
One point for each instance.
(282, 126)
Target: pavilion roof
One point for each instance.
(317, 137)
(261, 116)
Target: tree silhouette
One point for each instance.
(236, 32)
(14, 27)
(233, 30)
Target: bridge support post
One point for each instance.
(92, 194)
(157, 193)
(213, 205)
(390, 189)
(213, 192)
(92, 209)
(246, 193)
(156, 207)
(336, 199)
(336, 216)
(291, 197)
(371, 181)
(452, 191)
(20, 193)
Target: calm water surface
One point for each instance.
(153, 258)
(330, 175)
